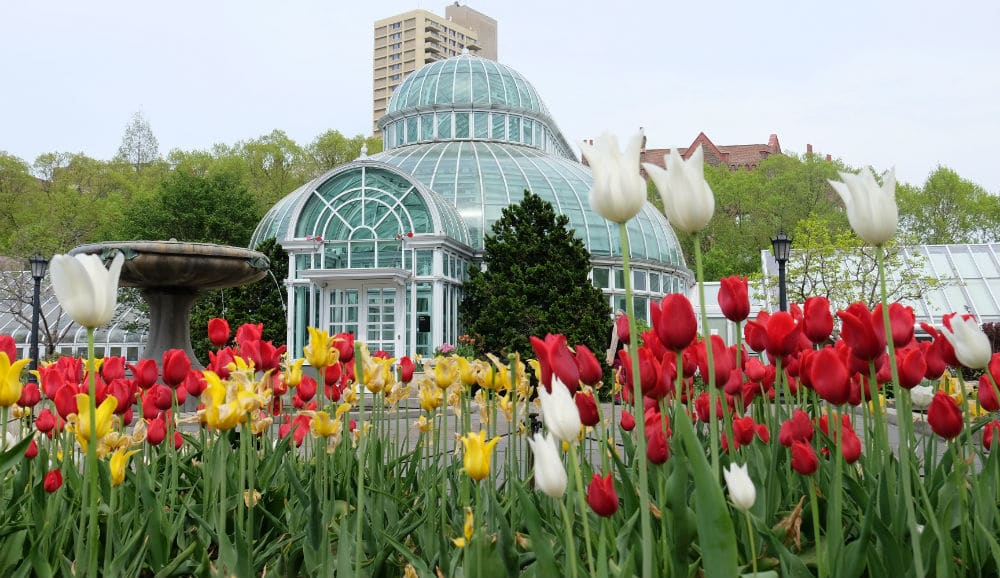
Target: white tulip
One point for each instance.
(688, 201)
(741, 489)
(972, 346)
(85, 289)
(550, 476)
(871, 209)
(559, 412)
(619, 191)
(921, 396)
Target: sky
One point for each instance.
(910, 85)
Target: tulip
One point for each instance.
(601, 495)
(53, 480)
(156, 430)
(804, 460)
(550, 476)
(118, 463)
(798, 428)
(859, 333)
(590, 369)
(10, 379)
(218, 332)
(627, 422)
(175, 367)
(556, 358)
(921, 396)
(102, 419)
(944, 416)
(740, 487)
(112, 368)
(734, 298)
(559, 412)
(755, 332)
(478, 453)
(911, 367)
(657, 448)
(249, 332)
(406, 368)
(8, 346)
(85, 289)
(972, 346)
(687, 199)
(990, 433)
(782, 334)
(344, 344)
(829, 376)
(871, 209)
(46, 421)
(320, 352)
(322, 426)
(30, 395)
(743, 430)
(676, 326)
(817, 320)
(587, 407)
(902, 321)
(619, 191)
(145, 373)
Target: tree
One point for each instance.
(948, 209)
(838, 265)
(331, 149)
(139, 146)
(260, 302)
(535, 282)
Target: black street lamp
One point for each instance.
(782, 246)
(38, 266)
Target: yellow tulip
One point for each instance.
(430, 397)
(445, 372)
(118, 463)
(468, 373)
(224, 417)
(320, 351)
(469, 529)
(477, 454)
(293, 373)
(322, 426)
(10, 379)
(102, 418)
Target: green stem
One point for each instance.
(904, 421)
(820, 565)
(640, 422)
(753, 547)
(359, 380)
(570, 545)
(713, 420)
(575, 465)
(92, 533)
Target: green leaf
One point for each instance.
(540, 540)
(716, 535)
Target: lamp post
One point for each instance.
(38, 266)
(781, 245)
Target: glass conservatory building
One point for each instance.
(380, 246)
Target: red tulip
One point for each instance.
(859, 333)
(249, 332)
(195, 383)
(8, 346)
(722, 360)
(587, 408)
(601, 495)
(306, 389)
(561, 361)
(162, 396)
(944, 416)
(344, 344)
(829, 376)
(621, 325)
(763, 433)
(817, 320)
(987, 394)
(755, 332)
(218, 332)
(804, 460)
(798, 428)
(65, 400)
(743, 430)
(112, 368)
(850, 444)
(902, 320)
(178, 440)
(30, 396)
(734, 298)
(782, 334)
(53, 481)
(156, 430)
(145, 373)
(990, 433)
(406, 368)
(676, 325)
(627, 422)
(588, 366)
(46, 421)
(911, 367)
(122, 390)
(32, 451)
(219, 362)
(657, 449)
(270, 356)
(52, 380)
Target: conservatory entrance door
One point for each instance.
(370, 312)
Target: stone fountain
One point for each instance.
(171, 275)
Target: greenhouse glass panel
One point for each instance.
(939, 260)
(362, 254)
(481, 124)
(528, 134)
(335, 256)
(462, 82)
(964, 262)
(390, 254)
(499, 127)
(638, 280)
(641, 305)
(956, 299)
(307, 224)
(619, 279)
(461, 125)
(982, 301)
(985, 261)
(425, 262)
(414, 205)
(480, 88)
(427, 127)
(514, 129)
(444, 125)
(601, 277)
(654, 282)
(411, 130)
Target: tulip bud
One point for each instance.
(176, 365)
(804, 460)
(734, 298)
(742, 492)
(627, 422)
(972, 346)
(85, 289)
(587, 407)
(550, 477)
(559, 412)
(618, 192)
(32, 451)
(817, 320)
(156, 430)
(871, 209)
(601, 495)
(218, 332)
(687, 199)
(53, 481)
(944, 416)
(990, 433)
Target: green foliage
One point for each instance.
(752, 206)
(260, 302)
(948, 209)
(535, 283)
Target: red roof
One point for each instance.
(745, 156)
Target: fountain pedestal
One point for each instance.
(171, 275)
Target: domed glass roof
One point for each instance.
(466, 79)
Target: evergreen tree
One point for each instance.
(535, 282)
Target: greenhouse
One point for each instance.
(380, 246)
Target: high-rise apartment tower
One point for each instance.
(405, 42)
